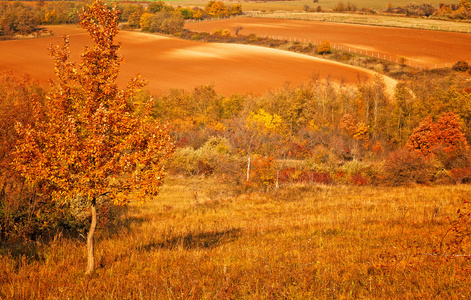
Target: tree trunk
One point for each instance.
(248, 169)
(277, 178)
(91, 240)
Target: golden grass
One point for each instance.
(376, 20)
(299, 242)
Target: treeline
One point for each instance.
(20, 18)
(161, 17)
(325, 128)
(318, 132)
(460, 11)
(25, 19)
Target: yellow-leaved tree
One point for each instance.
(90, 138)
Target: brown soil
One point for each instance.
(171, 63)
(422, 48)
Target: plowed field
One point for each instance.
(171, 63)
(422, 48)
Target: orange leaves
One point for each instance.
(445, 133)
(100, 22)
(358, 131)
(94, 138)
(324, 48)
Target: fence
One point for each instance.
(417, 64)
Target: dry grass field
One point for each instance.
(212, 237)
(374, 20)
(298, 242)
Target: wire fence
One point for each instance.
(413, 63)
(398, 59)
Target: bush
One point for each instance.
(195, 37)
(222, 32)
(460, 66)
(211, 158)
(263, 173)
(341, 7)
(324, 48)
(32, 218)
(403, 167)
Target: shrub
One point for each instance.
(263, 173)
(212, 157)
(34, 218)
(324, 48)
(403, 167)
(359, 179)
(222, 32)
(340, 7)
(316, 177)
(461, 66)
(443, 140)
(252, 38)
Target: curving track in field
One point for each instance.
(171, 63)
(422, 48)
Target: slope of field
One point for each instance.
(171, 63)
(422, 48)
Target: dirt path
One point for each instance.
(171, 63)
(422, 48)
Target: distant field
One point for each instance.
(421, 48)
(172, 63)
(386, 21)
(299, 5)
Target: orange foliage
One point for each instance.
(358, 131)
(93, 138)
(445, 133)
(263, 172)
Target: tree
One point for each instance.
(402, 61)
(424, 137)
(94, 139)
(465, 4)
(444, 135)
(216, 9)
(324, 48)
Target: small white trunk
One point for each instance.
(91, 241)
(248, 169)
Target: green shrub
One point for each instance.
(213, 157)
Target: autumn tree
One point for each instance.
(16, 201)
(216, 9)
(443, 138)
(266, 134)
(359, 131)
(94, 139)
(324, 48)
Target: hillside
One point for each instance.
(171, 63)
